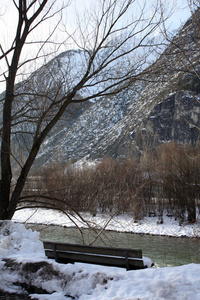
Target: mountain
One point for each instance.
(163, 107)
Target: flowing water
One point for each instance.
(163, 251)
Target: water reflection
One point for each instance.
(163, 251)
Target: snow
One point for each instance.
(23, 264)
(121, 223)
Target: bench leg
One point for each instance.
(55, 253)
(126, 260)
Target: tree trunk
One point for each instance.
(191, 210)
(21, 34)
(6, 173)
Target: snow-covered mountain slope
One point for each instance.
(163, 106)
(90, 128)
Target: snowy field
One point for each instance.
(23, 265)
(122, 223)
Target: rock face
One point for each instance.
(177, 119)
(164, 107)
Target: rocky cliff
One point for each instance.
(164, 107)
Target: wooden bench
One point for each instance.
(131, 259)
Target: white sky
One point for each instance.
(9, 17)
(8, 9)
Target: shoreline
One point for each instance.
(109, 230)
(123, 223)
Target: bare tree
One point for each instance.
(112, 48)
(183, 54)
(193, 4)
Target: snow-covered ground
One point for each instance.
(122, 223)
(23, 265)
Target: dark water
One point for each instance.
(163, 251)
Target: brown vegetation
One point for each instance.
(166, 180)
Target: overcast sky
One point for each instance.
(9, 17)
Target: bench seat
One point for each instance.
(131, 259)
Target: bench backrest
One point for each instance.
(132, 253)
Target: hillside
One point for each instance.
(163, 107)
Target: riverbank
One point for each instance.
(120, 223)
(25, 269)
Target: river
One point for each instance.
(163, 251)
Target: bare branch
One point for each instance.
(108, 60)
